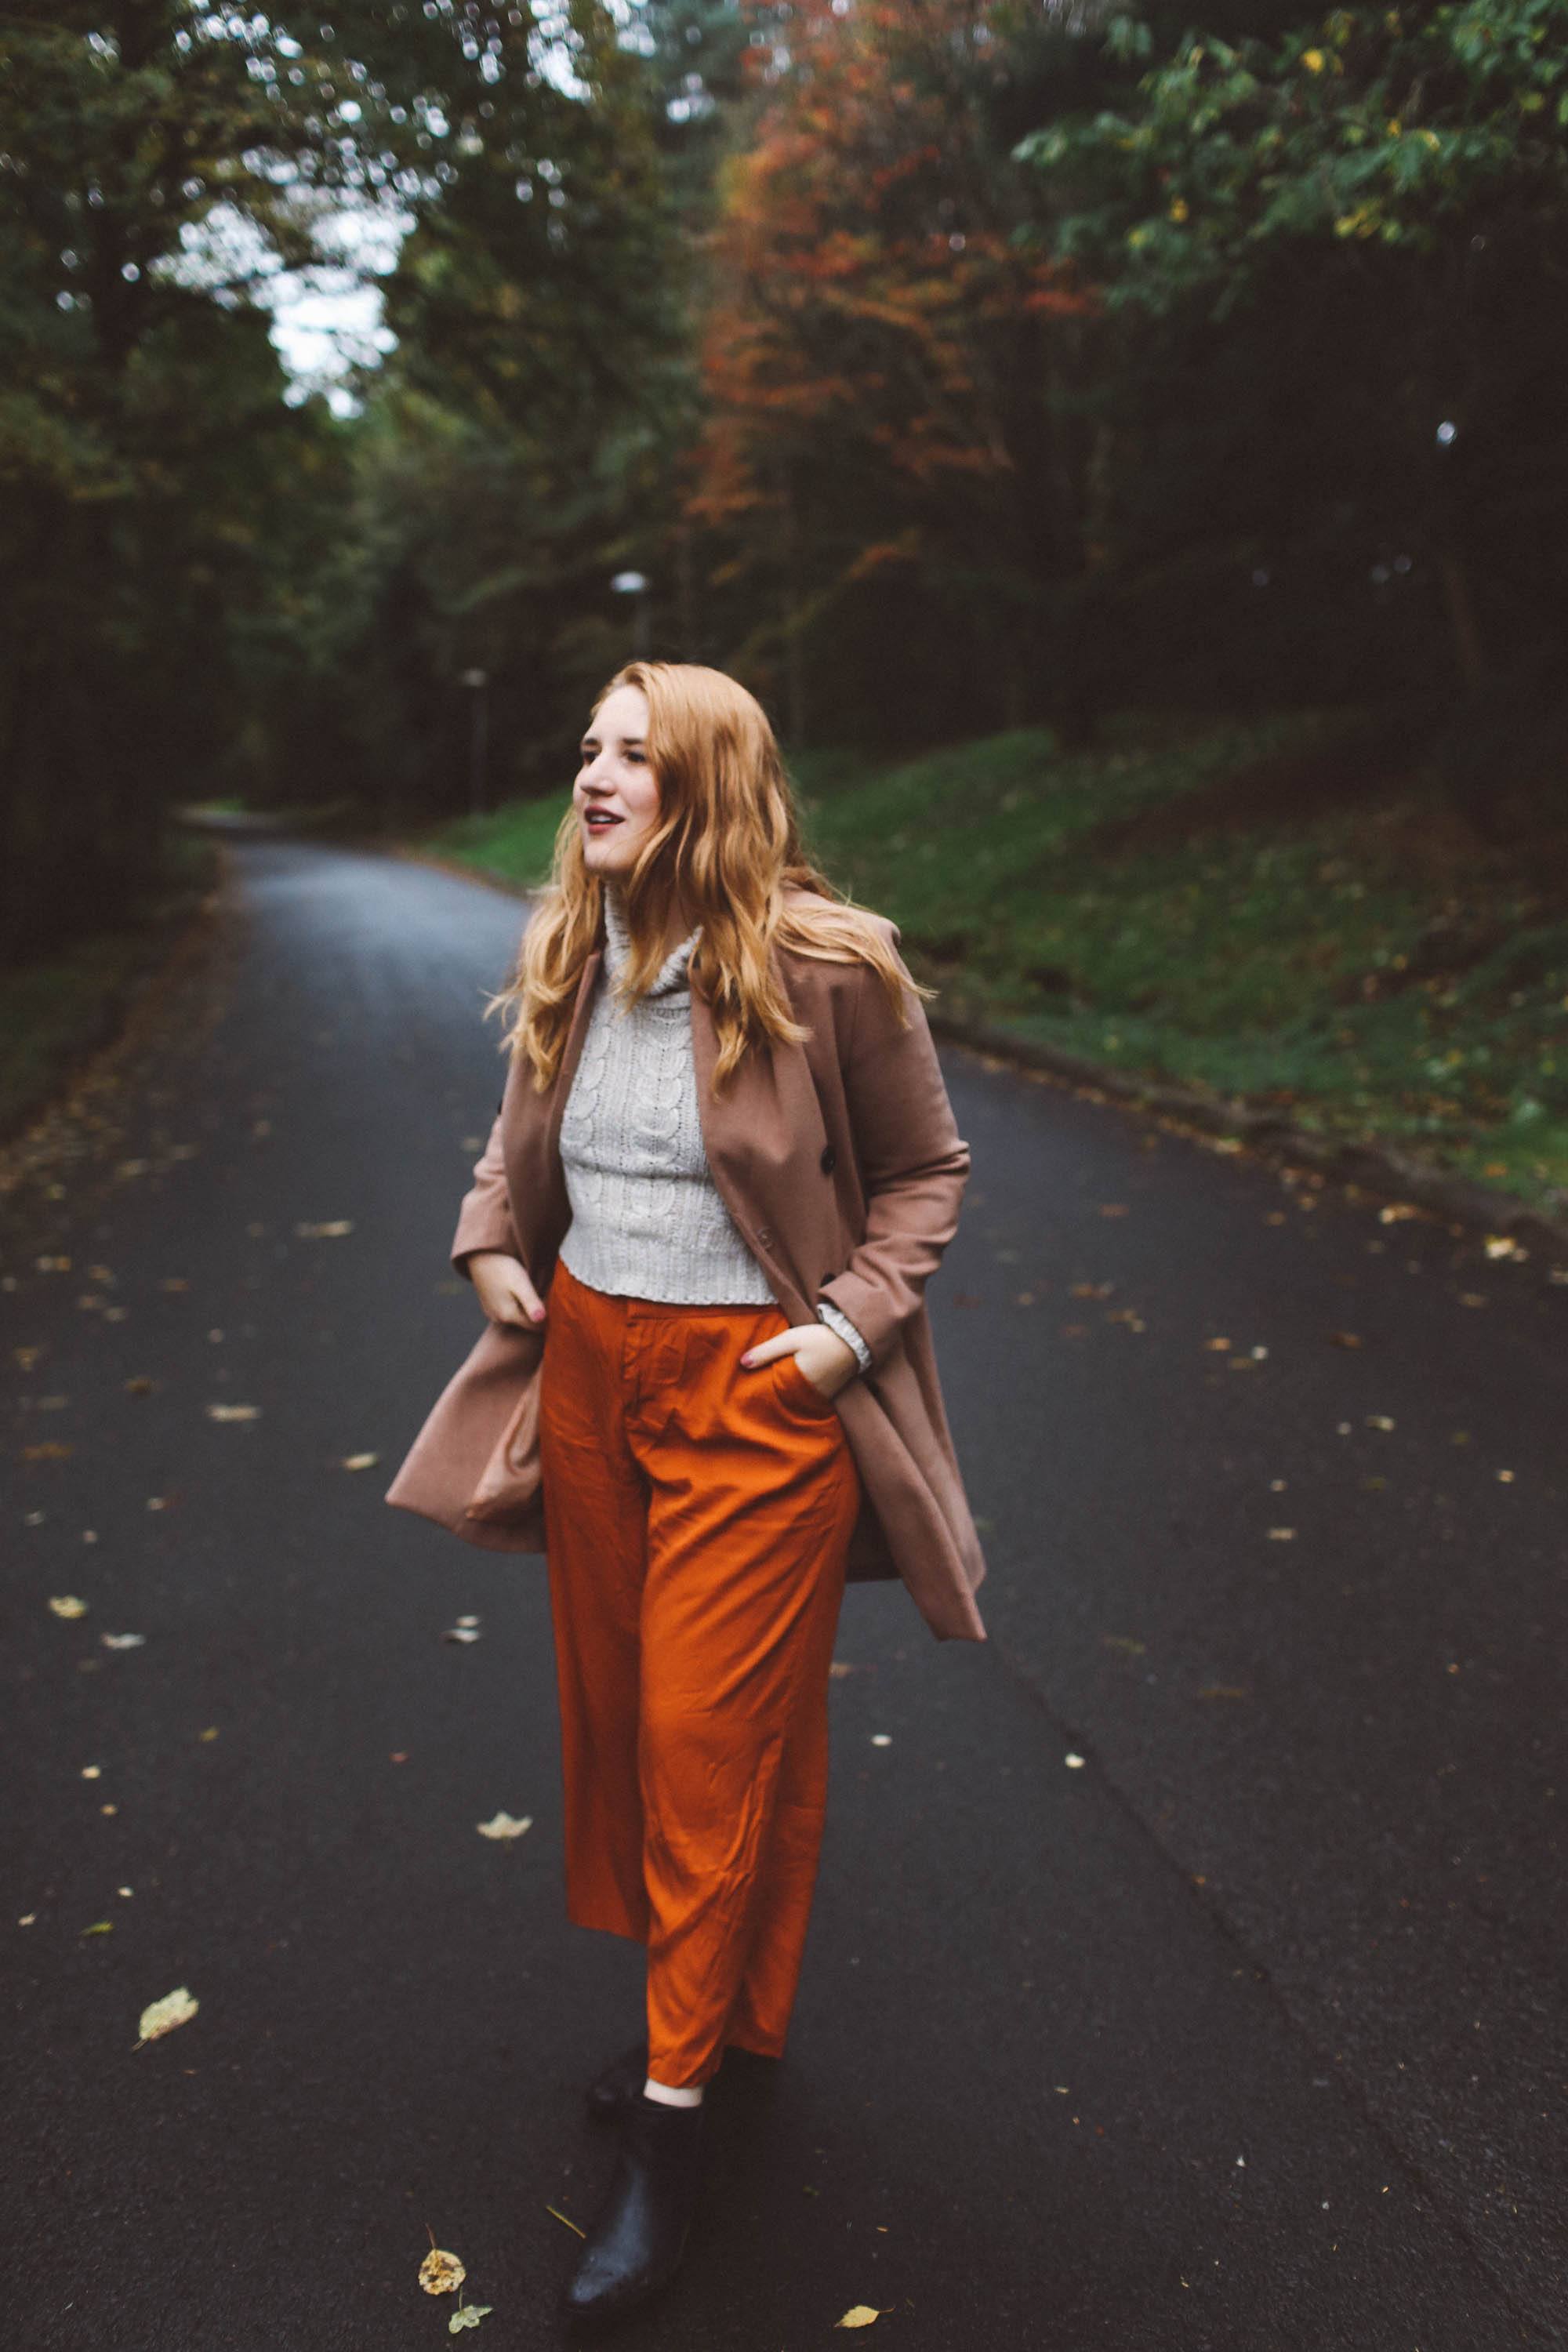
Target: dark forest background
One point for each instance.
(943, 367)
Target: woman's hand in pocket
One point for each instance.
(505, 1291)
(827, 1361)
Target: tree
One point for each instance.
(1349, 224)
(161, 166)
(880, 466)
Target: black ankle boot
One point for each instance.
(636, 2245)
(618, 2085)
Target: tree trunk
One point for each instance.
(1462, 617)
(794, 650)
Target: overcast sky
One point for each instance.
(326, 322)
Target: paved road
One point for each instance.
(1245, 2034)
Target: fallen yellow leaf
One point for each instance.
(66, 1605)
(160, 2017)
(440, 2273)
(860, 2315)
(502, 1825)
(359, 1460)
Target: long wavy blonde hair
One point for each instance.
(727, 849)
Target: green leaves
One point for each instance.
(1127, 37)
(1358, 128)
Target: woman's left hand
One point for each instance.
(827, 1361)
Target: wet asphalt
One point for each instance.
(1185, 1973)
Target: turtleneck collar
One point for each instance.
(671, 973)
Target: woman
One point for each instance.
(723, 1167)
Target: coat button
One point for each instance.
(829, 1159)
(764, 1235)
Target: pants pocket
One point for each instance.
(799, 1394)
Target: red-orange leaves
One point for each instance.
(875, 334)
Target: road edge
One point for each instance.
(1370, 1166)
(189, 921)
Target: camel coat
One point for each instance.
(841, 1164)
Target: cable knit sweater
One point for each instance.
(647, 1221)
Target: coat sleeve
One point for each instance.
(913, 1164)
(484, 1218)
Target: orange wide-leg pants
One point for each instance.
(698, 1518)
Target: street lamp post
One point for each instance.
(477, 680)
(633, 584)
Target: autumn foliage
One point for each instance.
(875, 353)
